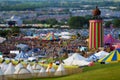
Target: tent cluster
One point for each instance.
(29, 70)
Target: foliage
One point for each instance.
(116, 23)
(15, 29)
(4, 33)
(107, 24)
(77, 22)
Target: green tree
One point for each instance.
(116, 22)
(108, 23)
(52, 21)
(76, 22)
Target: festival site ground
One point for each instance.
(97, 72)
(69, 53)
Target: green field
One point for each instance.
(97, 72)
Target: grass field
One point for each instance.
(97, 72)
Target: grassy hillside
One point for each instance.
(97, 72)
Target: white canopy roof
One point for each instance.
(76, 59)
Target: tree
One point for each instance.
(76, 22)
(107, 24)
(52, 21)
(116, 22)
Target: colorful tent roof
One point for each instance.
(51, 36)
(109, 39)
(113, 56)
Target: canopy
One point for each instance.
(60, 70)
(22, 46)
(109, 39)
(76, 59)
(98, 55)
(117, 46)
(2, 39)
(114, 56)
(51, 36)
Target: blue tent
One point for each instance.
(114, 56)
(21, 55)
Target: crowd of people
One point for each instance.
(49, 48)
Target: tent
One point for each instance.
(22, 46)
(22, 70)
(108, 39)
(117, 46)
(114, 56)
(51, 36)
(76, 59)
(98, 56)
(21, 55)
(36, 67)
(60, 70)
(2, 39)
(1, 72)
(42, 72)
(29, 67)
(18, 66)
(22, 73)
(4, 66)
(10, 69)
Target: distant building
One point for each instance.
(14, 21)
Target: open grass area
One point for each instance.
(97, 72)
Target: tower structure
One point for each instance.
(96, 30)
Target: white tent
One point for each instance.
(22, 70)
(18, 66)
(2, 39)
(101, 54)
(4, 66)
(1, 72)
(29, 67)
(65, 37)
(51, 70)
(10, 69)
(22, 73)
(76, 59)
(22, 46)
(98, 56)
(42, 72)
(60, 70)
(36, 67)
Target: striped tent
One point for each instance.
(51, 37)
(114, 56)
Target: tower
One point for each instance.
(96, 30)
